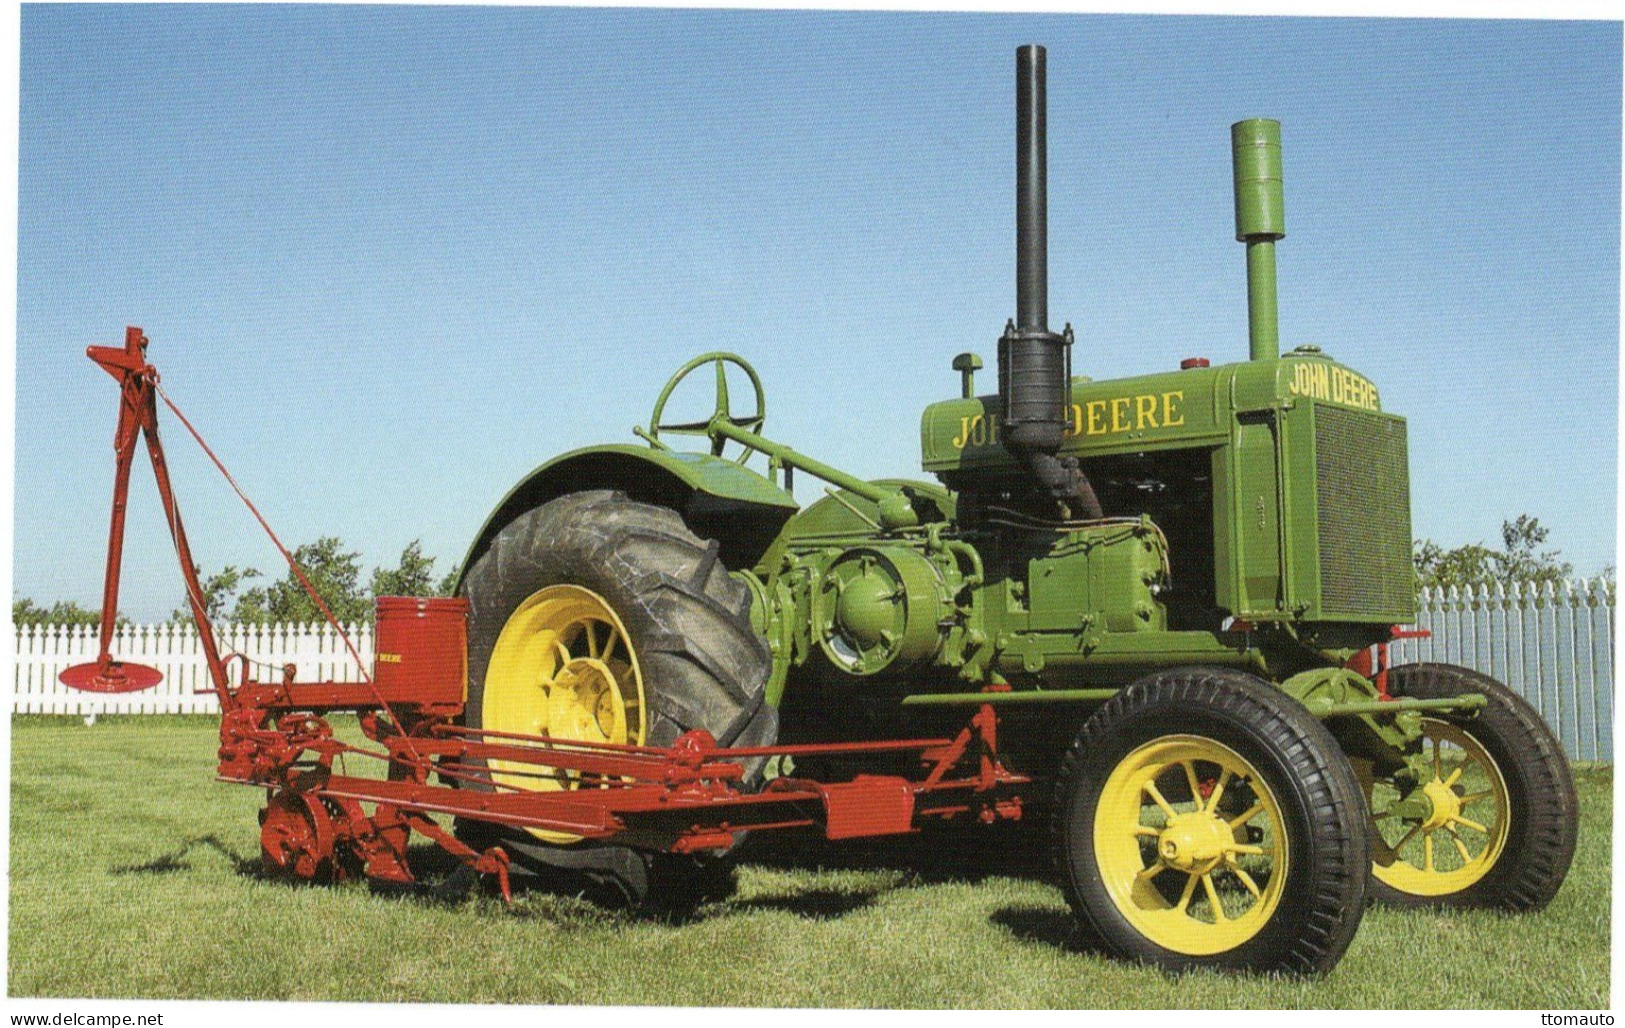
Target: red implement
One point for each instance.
(320, 821)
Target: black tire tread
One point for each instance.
(1323, 784)
(1540, 784)
(703, 664)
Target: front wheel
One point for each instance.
(1491, 820)
(1204, 819)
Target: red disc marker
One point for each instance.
(113, 676)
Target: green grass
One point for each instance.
(131, 876)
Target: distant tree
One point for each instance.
(448, 585)
(25, 612)
(1436, 565)
(1520, 559)
(1524, 560)
(219, 590)
(334, 572)
(413, 576)
(333, 569)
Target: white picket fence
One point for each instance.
(43, 651)
(1553, 644)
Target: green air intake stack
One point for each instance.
(1260, 220)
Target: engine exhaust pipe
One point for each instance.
(1032, 193)
(1035, 364)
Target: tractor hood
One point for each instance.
(1194, 406)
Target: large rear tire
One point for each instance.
(1502, 816)
(1205, 819)
(600, 618)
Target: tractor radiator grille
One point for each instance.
(1364, 496)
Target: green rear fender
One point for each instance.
(718, 499)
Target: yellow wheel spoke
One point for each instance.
(1213, 898)
(1448, 861)
(1461, 847)
(1190, 776)
(1165, 897)
(548, 676)
(1246, 880)
(1252, 812)
(1185, 897)
(1156, 797)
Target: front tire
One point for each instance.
(1502, 815)
(596, 617)
(1204, 819)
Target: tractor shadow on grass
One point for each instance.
(1048, 926)
(936, 854)
(810, 904)
(176, 860)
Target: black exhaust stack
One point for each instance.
(1035, 364)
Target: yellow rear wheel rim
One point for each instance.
(1191, 845)
(563, 667)
(1456, 843)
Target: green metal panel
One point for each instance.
(1192, 407)
(698, 471)
(1104, 417)
(1096, 579)
(1258, 527)
(636, 469)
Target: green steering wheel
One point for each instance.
(750, 424)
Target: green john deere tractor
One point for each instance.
(1169, 586)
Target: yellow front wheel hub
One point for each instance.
(563, 667)
(1453, 837)
(1191, 845)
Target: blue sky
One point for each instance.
(392, 258)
